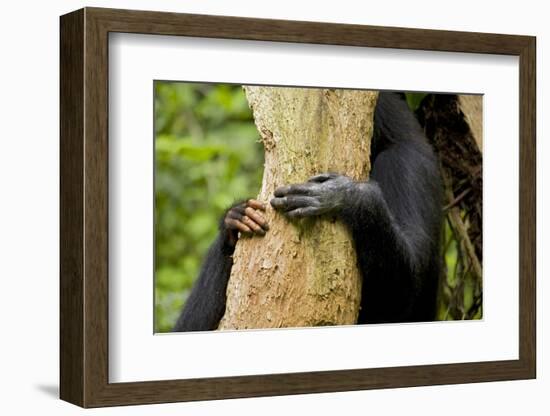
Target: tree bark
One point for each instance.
(471, 106)
(302, 273)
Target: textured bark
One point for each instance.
(471, 107)
(302, 273)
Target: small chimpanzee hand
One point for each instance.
(245, 218)
(321, 194)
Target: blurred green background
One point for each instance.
(208, 155)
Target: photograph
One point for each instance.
(290, 207)
(259, 207)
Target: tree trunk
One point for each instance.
(472, 107)
(302, 273)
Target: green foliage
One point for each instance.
(207, 156)
(459, 290)
(414, 99)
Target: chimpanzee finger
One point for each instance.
(290, 202)
(253, 203)
(234, 224)
(302, 188)
(322, 177)
(256, 229)
(256, 217)
(303, 212)
(235, 213)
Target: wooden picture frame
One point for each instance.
(84, 207)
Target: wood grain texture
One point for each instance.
(527, 209)
(96, 213)
(84, 207)
(226, 27)
(71, 213)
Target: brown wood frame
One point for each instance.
(84, 207)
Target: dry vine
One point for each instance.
(457, 140)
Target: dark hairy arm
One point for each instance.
(395, 220)
(394, 217)
(395, 241)
(205, 305)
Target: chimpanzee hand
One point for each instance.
(244, 218)
(321, 194)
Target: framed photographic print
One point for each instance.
(255, 207)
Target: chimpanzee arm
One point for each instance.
(395, 220)
(395, 217)
(205, 305)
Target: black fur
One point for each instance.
(395, 220)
